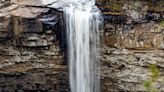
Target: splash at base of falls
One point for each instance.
(82, 24)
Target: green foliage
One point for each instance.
(162, 23)
(154, 76)
(148, 85)
(154, 73)
(113, 5)
(116, 5)
(156, 7)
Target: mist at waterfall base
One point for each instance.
(82, 19)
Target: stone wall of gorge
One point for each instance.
(133, 40)
(33, 46)
(32, 49)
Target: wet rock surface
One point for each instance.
(33, 46)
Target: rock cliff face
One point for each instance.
(32, 52)
(133, 39)
(33, 46)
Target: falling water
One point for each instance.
(82, 26)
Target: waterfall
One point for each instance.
(82, 26)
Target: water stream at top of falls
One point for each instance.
(82, 26)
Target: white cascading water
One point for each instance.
(82, 26)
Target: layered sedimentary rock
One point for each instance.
(33, 48)
(133, 40)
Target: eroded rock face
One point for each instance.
(135, 27)
(33, 46)
(126, 70)
(32, 54)
(133, 39)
